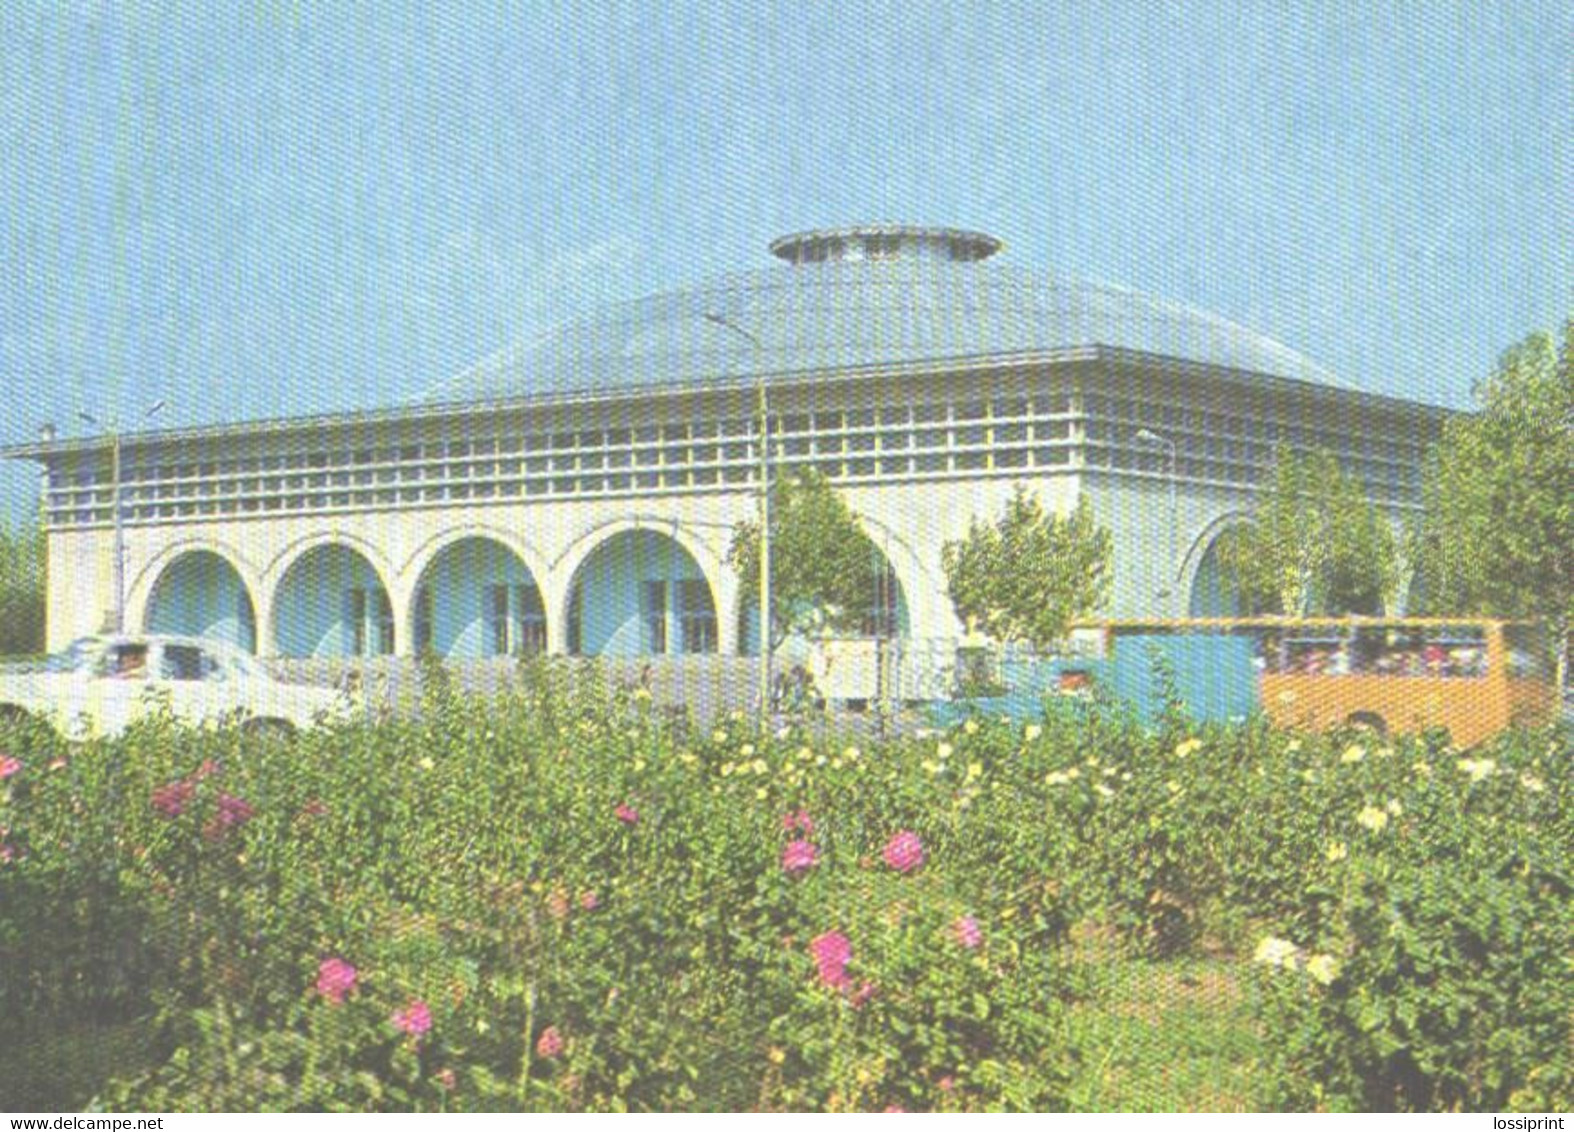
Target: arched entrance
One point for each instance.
(640, 593)
(885, 617)
(331, 602)
(1212, 593)
(477, 599)
(200, 594)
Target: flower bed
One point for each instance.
(551, 900)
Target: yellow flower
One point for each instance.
(1372, 818)
(970, 727)
(1032, 731)
(1478, 769)
(639, 765)
(1056, 778)
(1532, 783)
(1354, 753)
(931, 767)
(1075, 772)
(1323, 968)
(718, 736)
(974, 770)
(760, 794)
(1188, 748)
(1104, 791)
(746, 751)
(726, 769)
(426, 763)
(943, 750)
(850, 753)
(1292, 746)
(777, 1055)
(1394, 807)
(1172, 786)
(1336, 851)
(759, 766)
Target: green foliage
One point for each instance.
(22, 569)
(597, 912)
(825, 570)
(1498, 530)
(1030, 574)
(1314, 547)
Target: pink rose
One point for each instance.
(799, 857)
(335, 979)
(904, 852)
(967, 932)
(550, 1043)
(415, 1019)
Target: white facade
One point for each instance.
(571, 520)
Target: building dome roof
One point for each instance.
(860, 298)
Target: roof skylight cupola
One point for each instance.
(868, 243)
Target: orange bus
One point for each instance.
(1475, 677)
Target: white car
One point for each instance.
(99, 685)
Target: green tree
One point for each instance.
(1030, 574)
(1315, 545)
(21, 590)
(825, 570)
(1497, 533)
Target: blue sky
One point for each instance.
(278, 207)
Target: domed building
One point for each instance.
(577, 494)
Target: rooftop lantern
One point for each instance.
(876, 242)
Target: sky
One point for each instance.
(299, 206)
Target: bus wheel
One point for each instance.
(1369, 721)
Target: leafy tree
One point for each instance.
(1497, 532)
(1315, 545)
(1030, 574)
(21, 590)
(825, 570)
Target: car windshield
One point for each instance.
(73, 658)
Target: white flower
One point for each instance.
(1323, 968)
(1275, 952)
(1104, 791)
(943, 751)
(1394, 807)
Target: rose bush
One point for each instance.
(558, 900)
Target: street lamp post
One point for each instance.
(119, 564)
(1171, 589)
(763, 498)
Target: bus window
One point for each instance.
(1527, 653)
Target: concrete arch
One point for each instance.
(917, 612)
(346, 609)
(929, 612)
(1197, 577)
(293, 552)
(620, 623)
(140, 590)
(198, 592)
(423, 556)
(474, 595)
